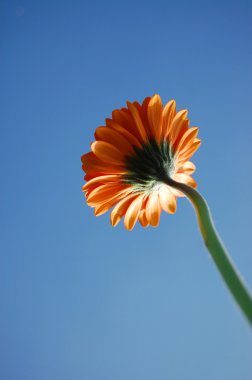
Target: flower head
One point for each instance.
(139, 147)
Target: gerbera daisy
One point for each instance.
(139, 165)
(133, 155)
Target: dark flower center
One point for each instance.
(149, 165)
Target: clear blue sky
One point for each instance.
(83, 301)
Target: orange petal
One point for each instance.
(92, 164)
(120, 209)
(167, 199)
(104, 193)
(123, 118)
(136, 117)
(138, 107)
(123, 131)
(104, 207)
(177, 193)
(114, 138)
(155, 110)
(177, 124)
(142, 215)
(101, 180)
(144, 115)
(153, 209)
(169, 112)
(143, 218)
(132, 212)
(86, 156)
(185, 178)
(187, 138)
(188, 168)
(107, 153)
(180, 133)
(183, 157)
(88, 177)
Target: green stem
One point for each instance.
(216, 248)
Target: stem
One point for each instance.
(216, 248)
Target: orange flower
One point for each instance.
(140, 146)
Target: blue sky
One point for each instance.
(79, 299)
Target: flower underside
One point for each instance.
(133, 156)
(149, 165)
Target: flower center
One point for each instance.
(149, 165)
